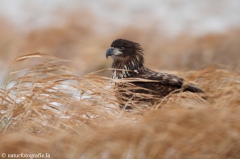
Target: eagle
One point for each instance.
(128, 63)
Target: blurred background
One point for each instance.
(175, 34)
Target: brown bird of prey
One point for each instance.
(128, 62)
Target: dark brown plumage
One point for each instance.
(128, 62)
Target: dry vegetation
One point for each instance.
(75, 40)
(47, 107)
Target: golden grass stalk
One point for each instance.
(49, 109)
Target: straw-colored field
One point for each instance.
(68, 109)
(48, 109)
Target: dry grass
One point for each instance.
(47, 108)
(81, 41)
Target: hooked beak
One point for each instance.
(109, 52)
(113, 51)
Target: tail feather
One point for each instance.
(193, 88)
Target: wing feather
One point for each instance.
(163, 78)
(168, 79)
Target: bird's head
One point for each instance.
(126, 52)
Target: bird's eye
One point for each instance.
(122, 48)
